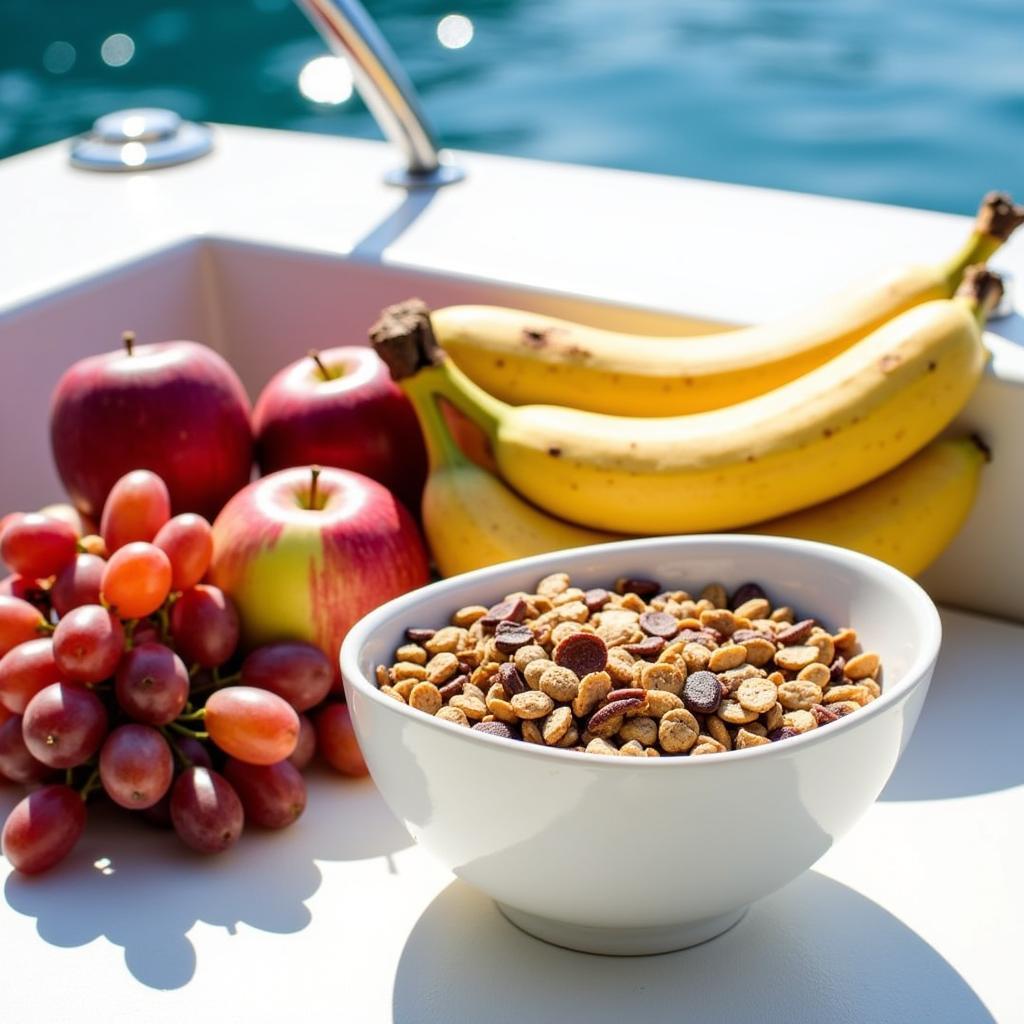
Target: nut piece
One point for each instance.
(593, 689)
(816, 673)
(442, 667)
(425, 697)
(802, 721)
(773, 718)
(412, 653)
(556, 725)
(662, 676)
(733, 712)
(677, 731)
(759, 650)
(465, 617)
(642, 729)
(716, 594)
(718, 731)
(749, 739)
(470, 705)
(407, 670)
(799, 694)
(598, 745)
(454, 715)
(531, 652)
(727, 657)
(792, 659)
(607, 721)
(660, 702)
(531, 733)
(560, 684)
(535, 670)
(553, 585)
(448, 639)
(861, 666)
(755, 608)
(757, 695)
(851, 691)
(632, 749)
(531, 704)
(707, 745)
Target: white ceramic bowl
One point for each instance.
(630, 855)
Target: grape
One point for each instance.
(43, 828)
(253, 725)
(145, 633)
(206, 811)
(336, 740)
(38, 546)
(272, 795)
(9, 520)
(64, 725)
(205, 625)
(18, 586)
(19, 621)
(305, 749)
(136, 508)
(25, 670)
(194, 750)
(136, 766)
(298, 672)
(152, 684)
(187, 540)
(16, 763)
(136, 580)
(68, 514)
(87, 644)
(77, 583)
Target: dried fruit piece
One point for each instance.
(782, 733)
(607, 721)
(659, 624)
(627, 694)
(648, 649)
(642, 588)
(453, 687)
(824, 715)
(596, 599)
(512, 609)
(510, 679)
(419, 636)
(796, 634)
(510, 636)
(583, 653)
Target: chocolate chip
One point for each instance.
(596, 599)
(645, 589)
(823, 715)
(782, 733)
(453, 687)
(493, 729)
(510, 636)
(419, 636)
(836, 670)
(511, 610)
(617, 707)
(793, 636)
(583, 653)
(746, 592)
(510, 679)
(659, 624)
(702, 693)
(648, 648)
(633, 692)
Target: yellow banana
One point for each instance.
(819, 436)
(524, 358)
(906, 518)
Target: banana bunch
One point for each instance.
(837, 427)
(523, 358)
(906, 517)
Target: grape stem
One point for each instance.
(188, 732)
(182, 756)
(129, 633)
(216, 684)
(195, 716)
(45, 628)
(164, 618)
(91, 784)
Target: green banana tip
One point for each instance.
(979, 442)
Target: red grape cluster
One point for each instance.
(119, 675)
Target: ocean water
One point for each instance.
(919, 102)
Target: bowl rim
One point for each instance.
(913, 593)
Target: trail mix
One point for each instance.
(634, 671)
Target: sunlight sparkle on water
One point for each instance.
(326, 80)
(455, 31)
(117, 50)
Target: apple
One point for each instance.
(174, 407)
(304, 553)
(340, 407)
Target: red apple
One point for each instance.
(305, 555)
(174, 407)
(340, 407)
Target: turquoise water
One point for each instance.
(918, 102)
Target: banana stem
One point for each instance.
(442, 451)
(998, 217)
(980, 291)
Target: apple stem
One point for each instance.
(314, 472)
(315, 356)
(128, 337)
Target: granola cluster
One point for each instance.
(634, 671)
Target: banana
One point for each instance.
(470, 518)
(523, 358)
(906, 518)
(819, 436)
